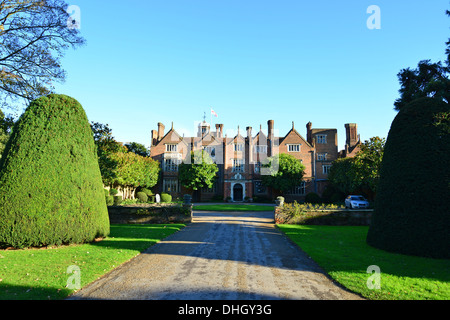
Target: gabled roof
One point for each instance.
(169, 138)
(237, 137)
(295, 132)
(260, 136)
(208, 138)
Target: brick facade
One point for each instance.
(239, 158)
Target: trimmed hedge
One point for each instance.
(166, 198)
(411, 213)
(142, 196)
(51, 191)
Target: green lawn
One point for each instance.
(233, 207)
(41, 274)
(343, 253)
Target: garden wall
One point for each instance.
(150, 214)
(337, 217)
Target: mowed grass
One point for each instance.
(233, 207)
(344, 254)
(41, 274)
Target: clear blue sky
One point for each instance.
(168, 61)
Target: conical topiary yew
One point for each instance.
(412, 214)
(51, 190)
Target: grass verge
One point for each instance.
(41, 274)
(232, 207)
(344, 254)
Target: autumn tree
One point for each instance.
(132, 171)
(120, 167)
(34, 37)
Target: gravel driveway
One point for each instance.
(220, 256)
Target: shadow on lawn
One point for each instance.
(346, 249)
(20, 293)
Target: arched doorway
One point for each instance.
(238, 192)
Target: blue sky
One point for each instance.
(251, 61)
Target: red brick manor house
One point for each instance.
(239, 158)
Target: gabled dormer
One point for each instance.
(294, 143)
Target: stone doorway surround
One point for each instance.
(237, 179)
(238, 192)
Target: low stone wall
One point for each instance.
(338, 217)
(150, 214)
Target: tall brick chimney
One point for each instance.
(218, 130)
(309, 133)
(161, 129)
(154, 137)
(270, 125)
(249, 132)
(351, 130)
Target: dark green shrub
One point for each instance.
(217, 197)
(106, 192)
(165, 197)
(148, 192)
(411, 214)
(113, 192)
(118, 200)
(332, 194)
(336, 197)
(109, 201)
(313, 198)
(262, 199)
(51, 191)
(142, 196)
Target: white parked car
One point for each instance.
(356, 202)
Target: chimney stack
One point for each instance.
(161, 129)
(249, 132)
(351, 130)
(270, 125)
(218, 130)
(309, 133)
(154, 137)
